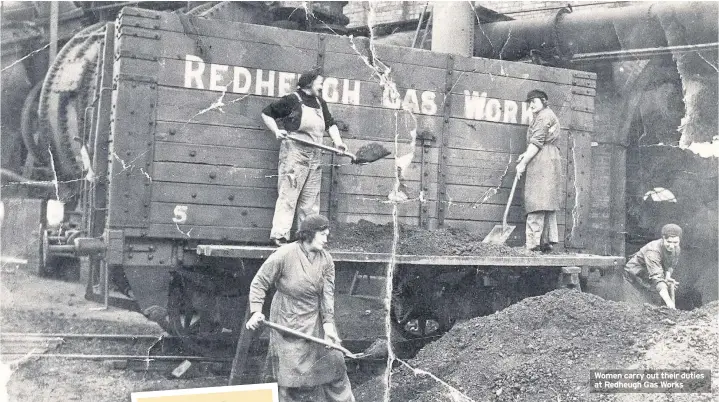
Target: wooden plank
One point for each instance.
(340, 86)
(373, 123)
(486, 136)
(516, 70)
(472, 194)
(201, 174)
(239, 110)
(478, 176)
(244, 111)
(568, 118)
(236, 31)
(206, 134)
(215, 155)
(385, 53)
(386, 168)
(404, 75)
(579, 170)
(204, 194)
(253, 235)
(511, 88)
(354, 204)
(376, 186)
(213, 215)
(376, 218)
(539, 261)
(251, 69)
(489, 212)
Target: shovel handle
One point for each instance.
(509, 202)
(310, 338)
(322, 146)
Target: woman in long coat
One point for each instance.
(542, 162)
(303, 274)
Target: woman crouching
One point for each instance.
(304, 275)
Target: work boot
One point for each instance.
(547, 247)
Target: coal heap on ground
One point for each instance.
(368, 237)
(542, 348)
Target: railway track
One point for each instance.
(139, 352)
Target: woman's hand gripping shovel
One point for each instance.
(311, 338)
(366, 154)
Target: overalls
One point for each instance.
(300, 173)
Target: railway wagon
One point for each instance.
(182, 220)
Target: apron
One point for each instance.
(543, 177)
(312, 127)
(312, 124)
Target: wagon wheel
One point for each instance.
(414, 320)
(194, 327)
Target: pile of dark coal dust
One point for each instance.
(542, 349)
(368, 237)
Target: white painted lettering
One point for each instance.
(330, 90)
(267, 86)
(351, 96)
(474, 104)
(410, 102)
(391, 97)
(246, 77)
(192, 74)
(510, 111)
(287, 81)
(493, 110)
(217, 72)
(428, 104)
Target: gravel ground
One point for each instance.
(32, 304)
(542, 348)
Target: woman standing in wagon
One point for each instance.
(304, 275)
(542, 162)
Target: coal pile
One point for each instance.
(542, 349)
(365, 236)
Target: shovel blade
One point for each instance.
(499, 234)
(370, 153)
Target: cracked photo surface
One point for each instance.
(369, 201)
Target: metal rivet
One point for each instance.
(129, 256)
(150, 256)
(194, 195)
(231, 197)
(213, 175)
(193, 153)
(172, 131)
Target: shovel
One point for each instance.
(500, 233)
(366, 154)
(311, 338)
